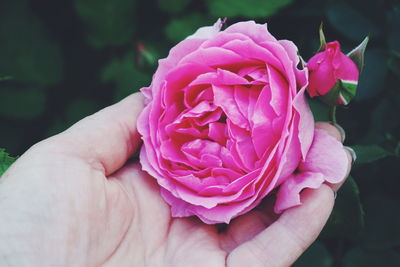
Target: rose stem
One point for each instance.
(332, 114)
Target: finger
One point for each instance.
(287, 238)
(331, 129)
(338, 133)
(247, 226)
(105, 139)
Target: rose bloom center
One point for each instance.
(220, 123)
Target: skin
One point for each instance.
(76, 200)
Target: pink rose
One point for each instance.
(227, 122)
(329, 67)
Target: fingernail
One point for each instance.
(334, 192)
(352, 154)
(341, 131)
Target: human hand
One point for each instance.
(74, 200)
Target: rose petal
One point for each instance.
(289, 192)
(251, 51)
(257, 32)
(207, 32)
(225, 99)
(214, 57)
(220, 77)
(326, 156)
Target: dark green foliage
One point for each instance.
(27, 53)
(347, 218)
(173, 6)
(382, 229)
(178, 29)
(373, 79)
(366, 258)
(250, 8)
(5, 161)
(316, 256)
(126, 77)
(62, 60)
(370, 153)
(350, 22)
(21, 103)
(107, 23)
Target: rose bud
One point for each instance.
(332, 75)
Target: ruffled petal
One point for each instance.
(326, 156)
(326, 161)
(257, 32)
(289, 192)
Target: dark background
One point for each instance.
(63, 60)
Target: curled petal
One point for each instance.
(325, 162)
(257, 32)
(326, 156)
(289, 192)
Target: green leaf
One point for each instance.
(107, 23)
(179, 29)
(123, 73)
(371, 258)
(173, 6)
(357, 54)
(394, 65)
(5, 161)
(10, 137)
(370, 153)
(315, 256)
(26, 51)
(18, 103)
(382, 118)
(397, 149)
(5, 78)
(382, 221)
(393, 25)
(350, 22)
(249, 8)
(347, 218)
(372, 80)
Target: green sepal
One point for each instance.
(344, 90)
(348, 90)
(302, 62)
(357, 54)
(332, 97)
(322, 40)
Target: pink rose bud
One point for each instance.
(332, 75)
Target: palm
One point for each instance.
(174, 241)
(161, 239)
(167, 241)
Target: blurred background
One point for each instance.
(63, 60)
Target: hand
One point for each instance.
(73, 200)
